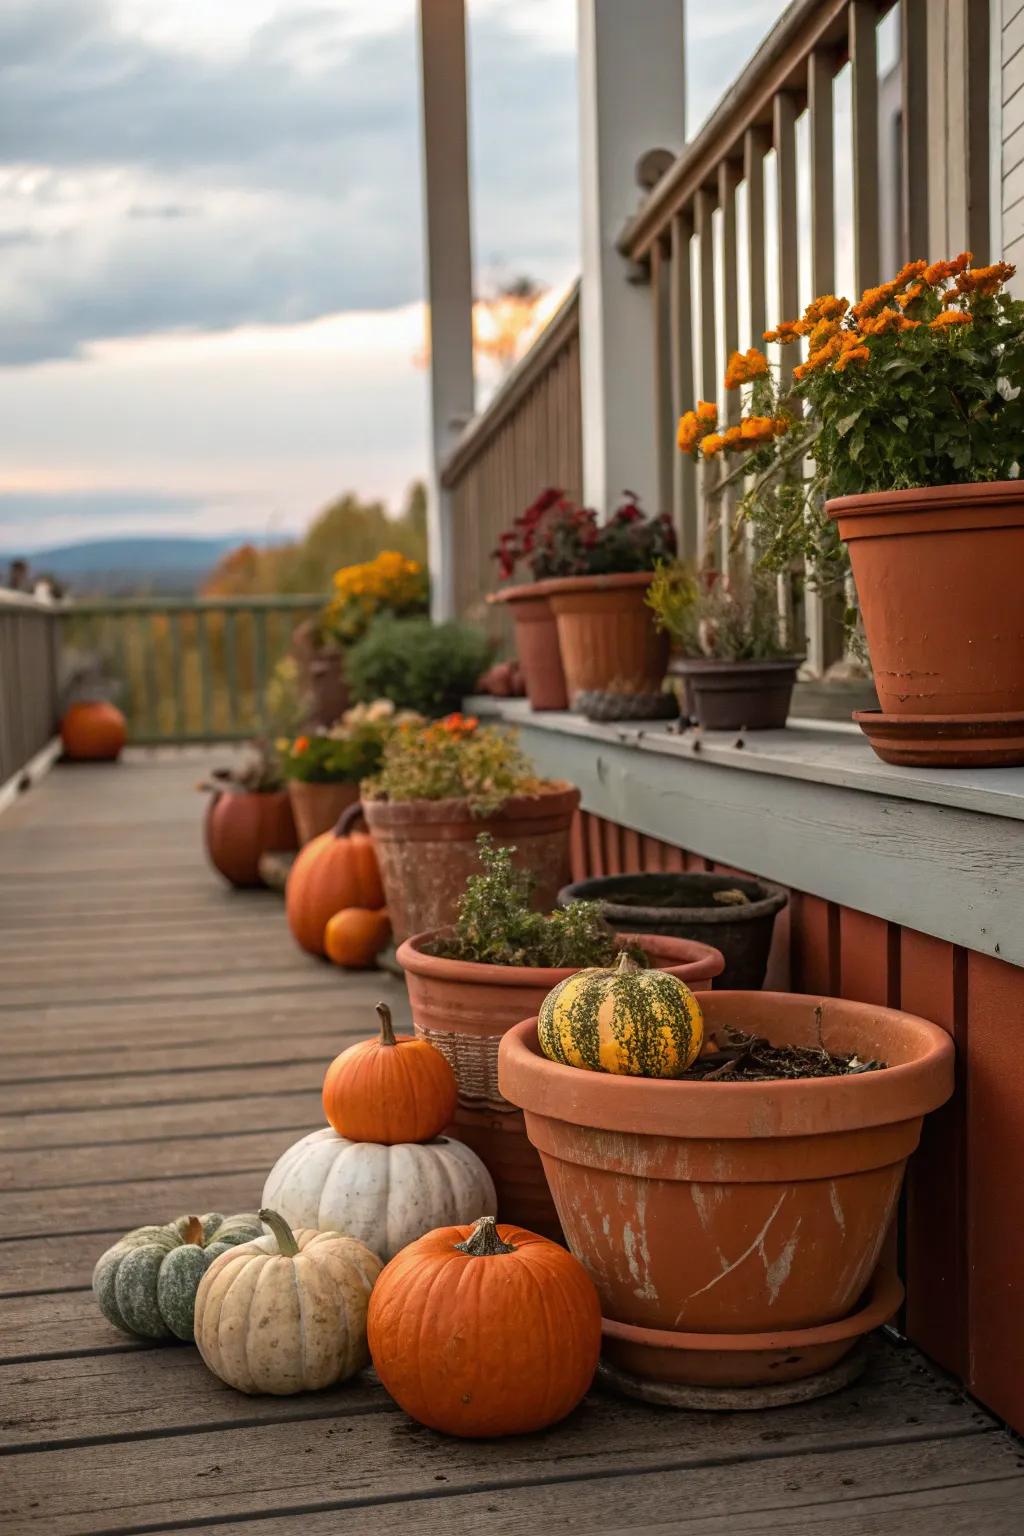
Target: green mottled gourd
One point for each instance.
(146, 1283)
(626, 1020)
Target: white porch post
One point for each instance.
(449, 265)
(632, 99)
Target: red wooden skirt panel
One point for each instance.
(961, 1246)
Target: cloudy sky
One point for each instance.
(210, 244)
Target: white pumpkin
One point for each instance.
(286, 1313)
(387, 1197)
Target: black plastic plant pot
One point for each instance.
(685, 906)
(739, 695)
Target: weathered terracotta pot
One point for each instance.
(427, 851)
(540, 655)
(464, 1009)
(938, 580)
(607, 633)
(93, 731)
(242, 826)
(316, 807)
(734, 1209)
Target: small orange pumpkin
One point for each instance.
(392, 1089)
(337, 869)
(355, 936)
(93, 732)
(505, 1350)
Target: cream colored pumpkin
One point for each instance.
(386, 1196)
(286, 1313)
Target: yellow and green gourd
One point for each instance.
(146, 1283)
(626, 1020)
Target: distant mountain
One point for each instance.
(120, 567)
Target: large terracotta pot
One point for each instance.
(744, 1212)
(242, 826)
(316, 807)
(607, 633)
(540, 655)
(93, 731)
(938, 580)
(464, 1009)
(427, 851)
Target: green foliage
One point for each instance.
(417, 664)
(347, 752)
(495, 925)
(726, 618)
(454, 759)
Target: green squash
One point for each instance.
(146, 1283)
(625, 1020)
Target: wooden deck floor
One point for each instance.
(162, 1042)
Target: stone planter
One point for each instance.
(717, 1219)
(317, 807)
(937, 572)
(607, 634)
(464, 1009)
(242, 826)
(738, 695)
(683, 905)
(540, 655)
(427, 851)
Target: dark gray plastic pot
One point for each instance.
(683, 906)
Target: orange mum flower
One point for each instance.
(823, 332)
(300, 745)
(985, 281)
(913, 292)
(695, 424)
(950, 317)
(887, 320)
(872, 299)
(909, 271)
(707, 410)
(785, 331)
(859, 354)
(825, 307)
(939, 271)
(744, 367)
(761, 429)
(712, 444)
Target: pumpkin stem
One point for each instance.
(625, 964)
(387, 1029)
(286, 1244)
(484, 1241)
(193, 1232)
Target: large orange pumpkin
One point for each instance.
(93, 732)
(337, 869)
(392, 1089)
(241, 826)
(485, 1330)
(355, 936)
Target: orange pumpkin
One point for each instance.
(392, 1089)
(337, 869)
(242, 826)
(93, 732)
(355, 936)
(506, 1349)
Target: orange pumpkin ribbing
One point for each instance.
(330, 873)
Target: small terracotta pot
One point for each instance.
(427, 851)
(464, 1009)
(738, 695)
(608, 637)
(241, 827)
(938, 580)
(540, 655)
(316, 807)
(742, 1208)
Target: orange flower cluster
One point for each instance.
(695, 425)
(750, 433)
(744, 367)
(458, 725)
(985, 281)
(300, 745)
(786, 331)
(950, 317)
(886, 321)
(834, 349)
(858, 354)
(940, 271)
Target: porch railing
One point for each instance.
(29, 706)
(528, 437)
(186, 669)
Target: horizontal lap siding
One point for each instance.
(962, 1238)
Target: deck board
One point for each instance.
(162, 1042)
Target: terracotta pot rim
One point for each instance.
(735, 1111)
(323, 783)
(878, 1304)
(774, 899)
(687, 958)
(927, 498)
(544, 803)
(524, 591)
(555, 586)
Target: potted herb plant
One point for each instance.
(438, 787)
(593, 577)
(494, 966)
(323, 768)
(249, 814)
(731, 1212)
(737, 668)
(909, 411)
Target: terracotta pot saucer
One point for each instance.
(657, 1358)
(945, 741)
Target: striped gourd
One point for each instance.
(625, 1020)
